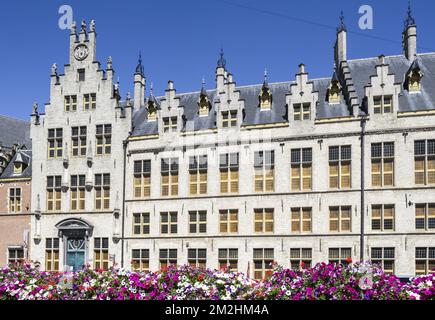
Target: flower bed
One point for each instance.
(322, 282)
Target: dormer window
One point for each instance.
(170, 124)
(152, 111)
(18, 168)
(414, 80)
(229, 119)
(382, 104)
(334, 92)
(265, 98)
(302, 111)
(203, 105)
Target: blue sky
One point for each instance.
(180, 40)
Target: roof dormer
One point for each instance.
(334, 90)
(265, 97)
(413, 77)
(382, 93)
(152, 106)
(203, 102)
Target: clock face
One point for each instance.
(81, 52)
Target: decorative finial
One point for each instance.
(35, 108)
(128, 96)
(54, 69)
(265, 75)
(222, 62)
(139, 67)
(152, 89)
(92, 26)
(83, 27)
(109, 63)
(73, 27)
(342, 25)
(409, 21)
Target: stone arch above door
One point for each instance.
(74, 227)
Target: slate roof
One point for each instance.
(14, 131)
(361, 71)
(23, 156)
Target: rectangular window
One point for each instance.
(340, 167)
(14, 200)
(78, 141)
(228, 259)
(340, 219)
(263, 220)
(55, 143)
(167, 257)
(169, 172)
(81, 74)
(78, 192)
(142, 179)
(102, 191)
(70, 103)
(382, 104)
(169, 222)
(263, 260)
(197, 258)
(141, 223)
(198, 175)
(424, 153)
(383, 217)
(104, 139)
(301, 219)
(384, 257)
(382, 164)
(425, 216)
(15, 256)
(52, 254)
(340, 255)
(101, 253)
(197, 222)
(301, 169)
(89, 101)
(228, 221)
(264, 166)
(229, 172)
(54, 193)
(302, 111)
(140, 259)
(301, 258)
(229, 119)
(424, 261)
(170, 124)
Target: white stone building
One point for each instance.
(296, 172)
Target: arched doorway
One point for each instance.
(75, 234)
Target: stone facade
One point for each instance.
(366, 106)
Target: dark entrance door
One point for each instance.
(75, 254)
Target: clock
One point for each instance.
(81, 52)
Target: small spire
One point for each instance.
(342, 25)
(139, 67)
(409, 21)
(221, 62)
(265, 76)
(203, 90)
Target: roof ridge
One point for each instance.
(12, 118)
